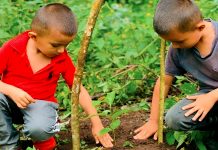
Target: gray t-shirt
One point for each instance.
(205, 70)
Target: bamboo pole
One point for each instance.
(79, 73)
(162, 91)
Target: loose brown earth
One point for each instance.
(124, 133)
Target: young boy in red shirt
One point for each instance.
(30, 67)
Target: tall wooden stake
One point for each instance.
(79, 73)
(162, 90)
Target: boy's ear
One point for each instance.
(32, 35)
(200, 26)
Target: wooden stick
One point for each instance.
(162, 90)
(79, 73)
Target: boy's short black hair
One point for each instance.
(182, 15)
(54, 15)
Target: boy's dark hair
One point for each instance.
(182, 15)
(57, 16)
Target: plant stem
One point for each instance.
(79, 73)
(162, 91)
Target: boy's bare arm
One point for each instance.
(151, 127)
(20, 97)
(156, 96)
(86, 103)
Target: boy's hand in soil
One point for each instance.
(148, 129)
(97, 126)
(104, 139)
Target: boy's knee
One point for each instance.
(38, 132)
(172, 121)
(2, 100)
(176, 119)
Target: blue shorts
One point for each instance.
(176, 119)
(39, 119)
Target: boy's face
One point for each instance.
(183, 39)
(53, 43)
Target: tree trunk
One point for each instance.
(79, 73)
(162, 90)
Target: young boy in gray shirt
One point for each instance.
(193, 50)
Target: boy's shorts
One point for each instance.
(39, 119)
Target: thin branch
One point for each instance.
(79, 73)
(162, 91)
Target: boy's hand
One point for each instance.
(105, 139)
(201, 106)
(20, 97)
(148, 129)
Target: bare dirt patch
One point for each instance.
(124, 134)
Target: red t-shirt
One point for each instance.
(16, 70)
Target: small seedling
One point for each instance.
(128, 144)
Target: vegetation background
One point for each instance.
(123, 57)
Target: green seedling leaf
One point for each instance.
(131, 88)
(118, 113)
(180, 137)
(138, 74)
(30, 148)
(115, 124)
(200, 145)
(169, 102)
(110, 98)
(188, 88)
(105, 130)
(105, 112)
(96, 103)
(128, 144)
(199, 135)
(144, 105)
(170, 138)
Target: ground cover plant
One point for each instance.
(121, 67)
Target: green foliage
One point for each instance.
(114, 114)
(185, 138)
(123, 56)
(169, 102)
(180, 137)
(143, 105)
(170, 138)
(110, 113)
(199, 137)
(30, 148)
(128, 144)
(83, 144)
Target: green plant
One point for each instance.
(124, 51)
(83, 144)
(30, 148)
(128, 144)
(112, 115)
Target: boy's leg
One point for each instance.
(176, 119)
(40, 123)
(9, 136)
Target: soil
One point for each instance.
(123, 134)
